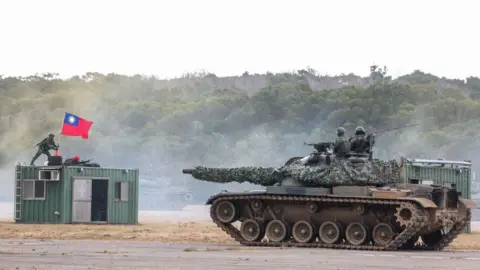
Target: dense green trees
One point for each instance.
(252, 118)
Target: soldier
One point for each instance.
(44, 147)
(358, 141)
(342, 145)
(72, 161)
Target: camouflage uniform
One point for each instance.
(44, 147)
(342, 145)
(358, 141)
(72, 161)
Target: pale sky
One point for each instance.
(168, 38)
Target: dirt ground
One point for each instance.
(201, 231)
(162, 231)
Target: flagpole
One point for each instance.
(60, 133)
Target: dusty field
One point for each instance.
(201, 231)
(180, 232)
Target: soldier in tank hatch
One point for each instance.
(44, 147)
(358, 142)
(342, 145)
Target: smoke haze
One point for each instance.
(160, 146)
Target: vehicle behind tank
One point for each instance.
(348, 203)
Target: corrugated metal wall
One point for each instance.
(59, 195)
(118, 212)
(39, 210)
(461, 177)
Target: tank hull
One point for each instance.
(345, 217)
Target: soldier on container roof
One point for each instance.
(342, 145)
(44, 147)
(72, 161)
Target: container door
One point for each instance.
(82, 200)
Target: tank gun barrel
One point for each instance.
(188, 171)
(254, 175)
(324, 176)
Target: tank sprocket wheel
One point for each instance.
(405, 214)
(303, 232)
(382, 234)
(252, 230)
(226, 212)
(277, 231)
(330, 232)
(356, 233)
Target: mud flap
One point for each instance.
(425, 203)
(464, 205)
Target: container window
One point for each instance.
(49, 175)
(121, 191)
(33, 190)
(28, 189)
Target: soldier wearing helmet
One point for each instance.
(358, 141)
(72, 161)
(342, 145)
(44, 147)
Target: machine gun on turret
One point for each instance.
(321, 147)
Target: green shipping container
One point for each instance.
(72, 194)
(450, 173)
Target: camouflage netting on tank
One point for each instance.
(254, 175)
(340, 172)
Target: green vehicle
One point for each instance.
(353, 202)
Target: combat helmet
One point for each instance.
(340, 131)
(359, 130)
(51, 135)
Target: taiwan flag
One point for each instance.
(75, 126)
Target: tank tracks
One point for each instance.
(419, 219)
(446, 239)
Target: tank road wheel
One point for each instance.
(356, 233)
(226, 212)
(382, 234)
(303, 232)
(277, 231)
(330, 232)
(252, 230)
(432, 238)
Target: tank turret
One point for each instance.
(337, 173)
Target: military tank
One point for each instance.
(325, 201)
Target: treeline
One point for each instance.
(252, 118)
